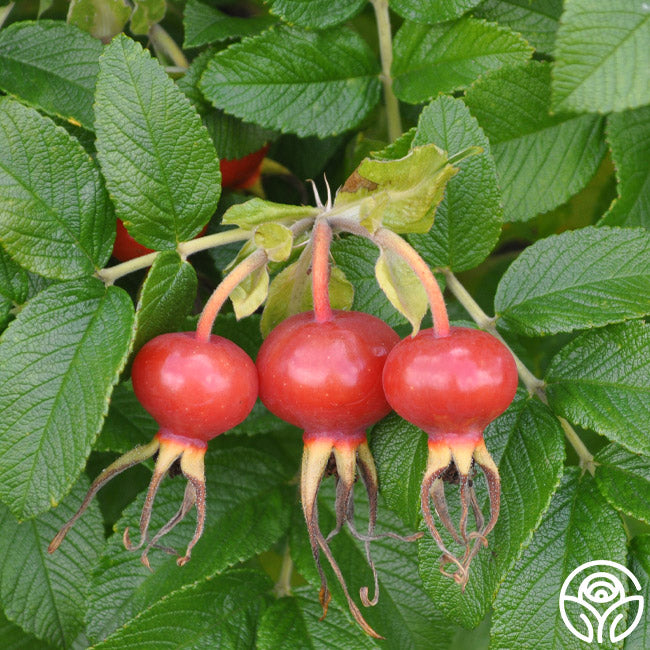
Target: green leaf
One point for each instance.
(204, 24)
(579, 527)
(624, 480)
(275, 239)
(602, 56)
(14, 280)
(402, 194)
(250, 293)
(247, 512)
(317, 14)
(289, 295)
(57, 219)
(639, 639)
(432, 12)
(541, 159)
(584, 278)
(357, 257)
(166, 298)
(102, 19)
(245, 333)
(448, 57)
(601, 380)
(46, 594)
(468, 219)
(127, 424)
(405, 615)
(528, 446)
(221, 612)
(257, 211)
(59, 361)
(294, 622)
(296, 81)
(15, 638)
(158, 160)
(402, 287)
(537, 22)
(146, 14)
(629, 138)
(52, 66)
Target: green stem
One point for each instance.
(534, 385)
(386, 53)
(283, 585)
(110, 274)
(5, 11)
(168, 46)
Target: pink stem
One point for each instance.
(320, 269)
(253, 262)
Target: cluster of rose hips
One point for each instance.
(334, 374)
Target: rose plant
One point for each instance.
(445, 328)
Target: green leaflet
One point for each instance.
(432, 12)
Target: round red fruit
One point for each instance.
(193, 388)
(325, 377)
(455, 384)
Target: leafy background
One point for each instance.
(547, 228)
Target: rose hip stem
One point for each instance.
(321, 240)
(387, 239)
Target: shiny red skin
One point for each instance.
(194, 389)
(326, 377)
(451, 385)
(241, 173)
(126, 248)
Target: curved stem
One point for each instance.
(386, 54)
(253, 262)
(385, 238)
(320, 270)
(168, 46)
(534, 385)
(283, 585)
(5, 11)
(112, 273)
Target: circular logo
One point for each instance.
(594, 601)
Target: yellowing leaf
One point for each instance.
(257, 211)
(275, 239)
(402, 287)
(248, 295)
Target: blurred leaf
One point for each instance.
(639, 639)
(46, 594)
(289, 295)
(601, 380)
(624, 480)
(296, 81)
(583, 278)
(628, 134)
(450, 56)
(127, 424)
(432, 12)
(404, 614)
(146, 14)
(257, 211)
(402, 194)
(528, 446)
(59, 361)
(468, 219)
(14, 281)
(52, 66)
(293, 623)
(541, 159)
(357, 257)
(15, 638)
(57, 219)
(537, 22)
(204, 24)
(221, 612)
(601, 56)
(166, 298)
(247, 512)
(579, 527)
(102, 19)
(158, 160)
(317, 14)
